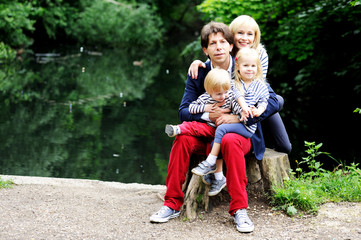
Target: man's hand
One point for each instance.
(218, 112)
(227, 118)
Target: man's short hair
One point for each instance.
(215, 27)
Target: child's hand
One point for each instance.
(193, 68)
(244, 116)
(210, 107)
(257, 111)
(246, 113)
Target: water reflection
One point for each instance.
(97, 116)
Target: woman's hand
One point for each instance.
(193, 68)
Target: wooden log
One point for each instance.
(196, 192)
(261, 176)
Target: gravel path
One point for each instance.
(51, 208)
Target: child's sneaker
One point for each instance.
(217, 186)
(170, 130)
(164, 215)
(203, 169)
(208, 179)
(244, 224)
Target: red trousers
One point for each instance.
(233, 147)
(197, 129)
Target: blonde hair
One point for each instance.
(217, 80)
(245, 20)
(242, 54)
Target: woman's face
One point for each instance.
(244, 37)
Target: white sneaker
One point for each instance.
(244, 224)
(164, 215)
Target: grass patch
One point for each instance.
(6, 184)
(306, 191)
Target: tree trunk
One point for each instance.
(261, 176)
(196, 192)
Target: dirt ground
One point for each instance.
(51, 208)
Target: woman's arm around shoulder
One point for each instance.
(193, 68)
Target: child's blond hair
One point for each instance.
(242, 54)
(217, 80)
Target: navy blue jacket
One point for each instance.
(195, 87)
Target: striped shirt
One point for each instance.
(198, 105)
(263, 56)
(255, 95)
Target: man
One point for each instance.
(217, 43)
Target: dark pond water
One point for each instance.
(84, 113)
(87, 114)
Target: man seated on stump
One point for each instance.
(217, 43)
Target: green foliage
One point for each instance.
(6, 184)
(226, 10)
(357, 110)
(314, 166)
(118, 26)
(56, 16)
(94, 23)
(15, 23)
(294, 26)
(7, 56)
(316, 186)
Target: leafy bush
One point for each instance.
(311, 188)
(119, 26)
(15, 23)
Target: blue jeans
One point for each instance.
(238, 128)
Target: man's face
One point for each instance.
(218, 49)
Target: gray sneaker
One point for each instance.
(217, 186)
(170, 130)
(244, 224)
(164, 215)
(208, 179)
(203, 169)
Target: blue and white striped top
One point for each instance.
(255, 95)
(198, 105)
(263, 56)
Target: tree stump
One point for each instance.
(261, 176)
(196, 192)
